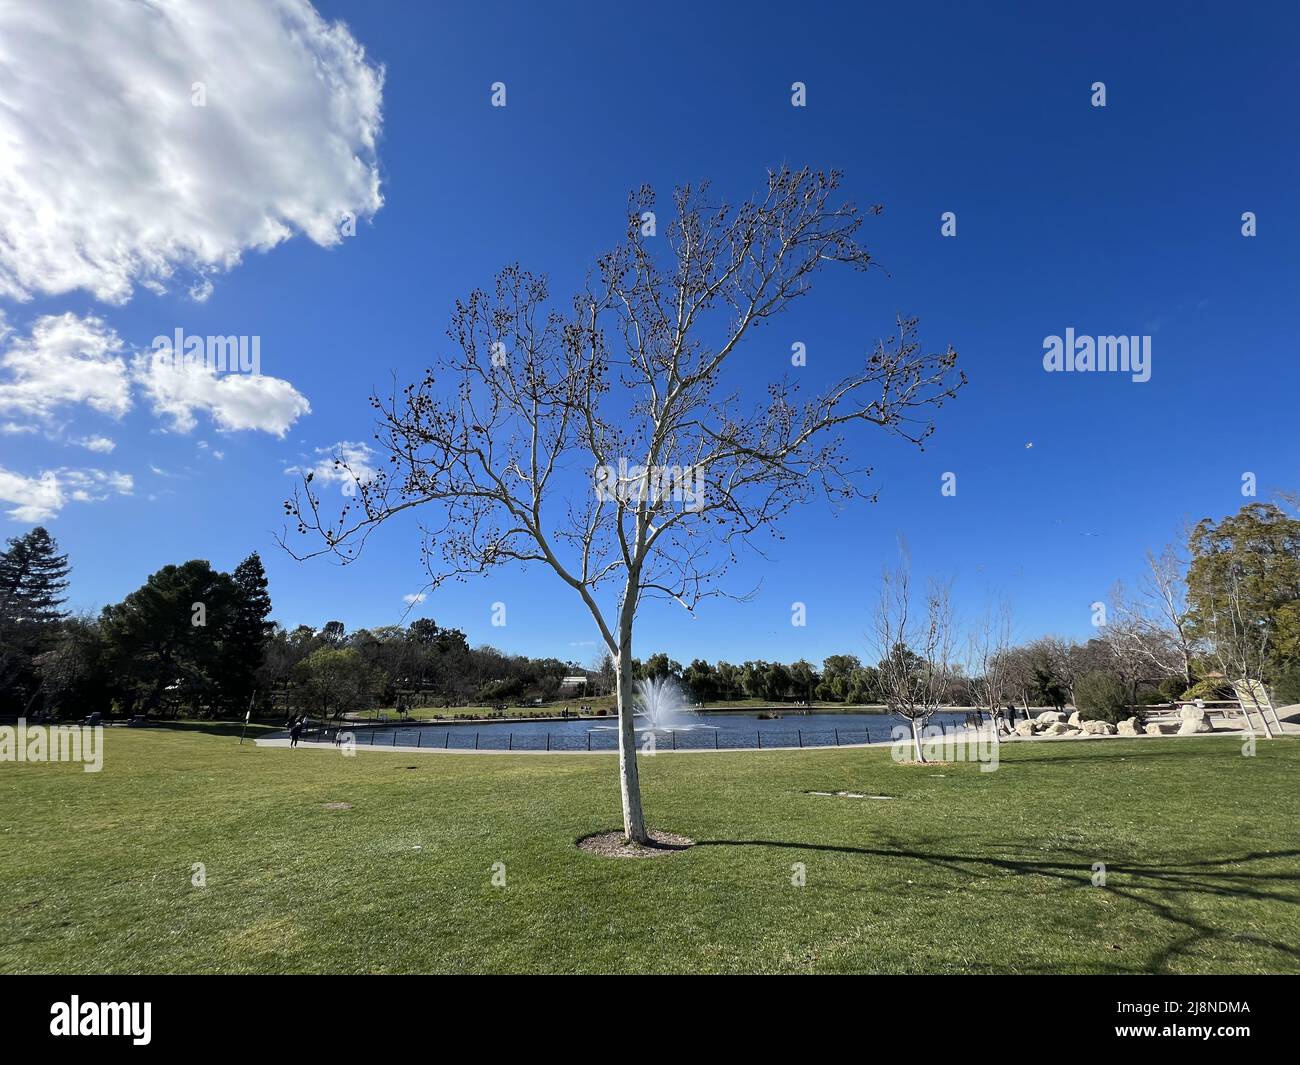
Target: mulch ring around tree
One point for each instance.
(616, 845)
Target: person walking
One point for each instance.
(295, 730)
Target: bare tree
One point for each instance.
(1165, 588)
(1066, 660)
(499, 440)
(1240, 644)
(1018, 662)
(603, 666)
(1152, 630)
(992, 667)
(917, 664)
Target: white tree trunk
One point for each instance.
(1250, 724)
(916, 740)
(1263, 720)
(629, 781)
(1268, 700)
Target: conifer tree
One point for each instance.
(33, 578)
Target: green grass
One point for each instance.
(962, 872)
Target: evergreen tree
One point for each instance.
(1248, 565)
(165, 641)
(33, 577)
(73, 672)
(245, 634)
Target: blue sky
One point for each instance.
(1117, 220)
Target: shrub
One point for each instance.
(1209, 689)
(1287, 688)
(1102, 697)
(1172, 688)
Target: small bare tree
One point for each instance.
(1240, 644)
(1151, 631)
(1066, 660)
(609, 444)
(1018, 662)
(1165, 588)
(917, 665)
(992, 667)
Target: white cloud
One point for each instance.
(67, 360)
(111, 177)
(356, 456)
(101, 445)
(235, 401)
(414, 597)
(43, 497)
(64, 360)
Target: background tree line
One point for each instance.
(196, 641)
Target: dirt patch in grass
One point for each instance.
(336, 806)
(847, 795)
(616, 845)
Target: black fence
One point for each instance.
(461, 738)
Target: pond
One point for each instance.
(706, 731)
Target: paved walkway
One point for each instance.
(1290, 716)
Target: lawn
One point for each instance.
(961, 871)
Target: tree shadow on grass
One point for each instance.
(1099, 752)
(1155, 886)
(210, 728)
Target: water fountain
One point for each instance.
(658, 707)
(659, 704)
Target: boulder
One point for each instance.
(1056, 728)
(1099, 728)
(1074, 721)
(1049, 717)
(1128, 727)
(1194, 719)
(1025, 728)
(1157, 729)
